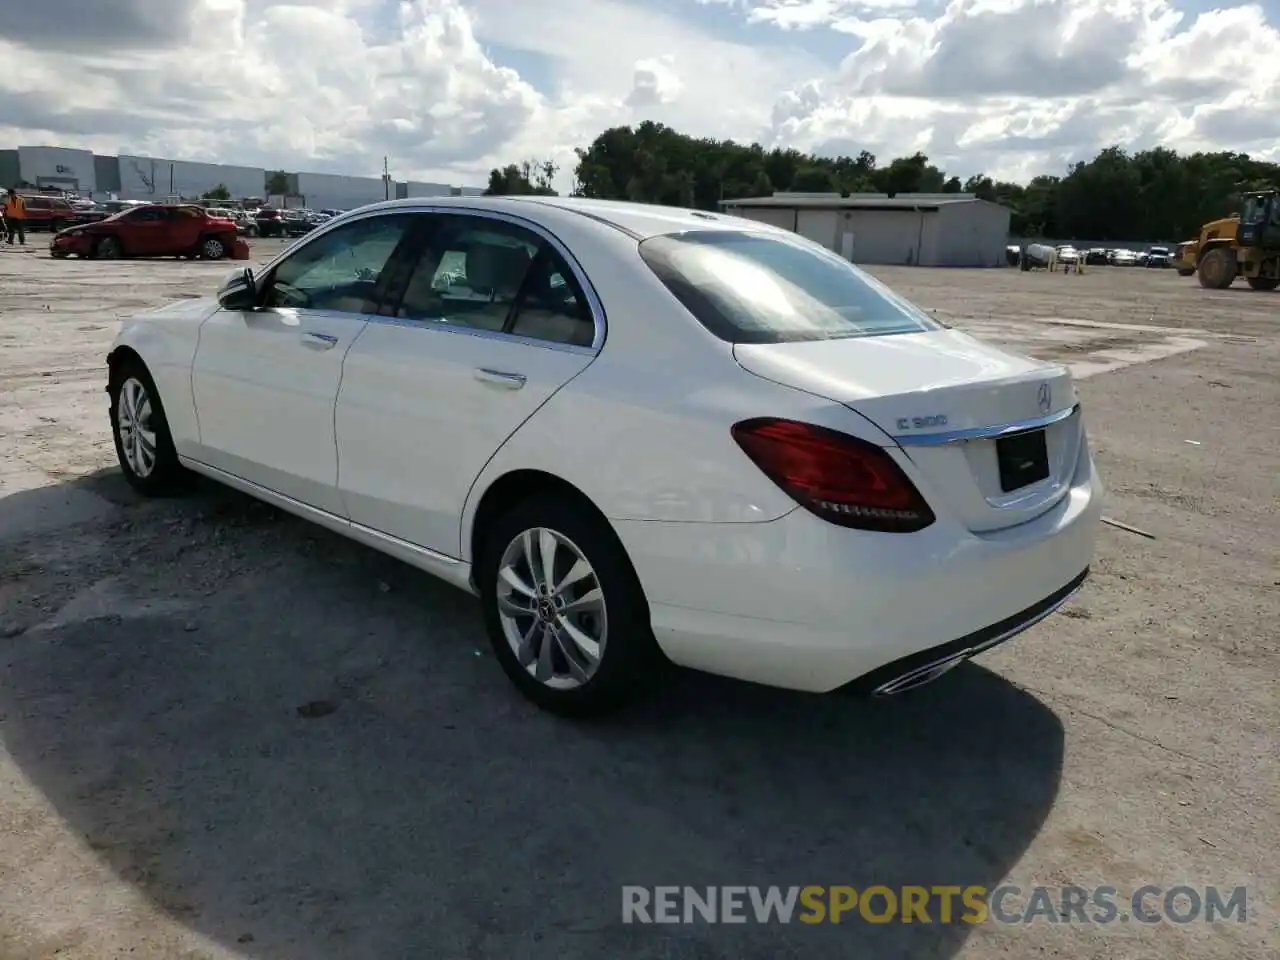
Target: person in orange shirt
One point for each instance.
(15, 216)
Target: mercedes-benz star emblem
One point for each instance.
(1045, 397)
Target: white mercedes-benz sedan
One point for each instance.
(640, 435)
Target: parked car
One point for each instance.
(298, 223)
(1157, 257)
(1124, 258)
(45, 212)
(1097, 256)
(1068, 254)
(270, 222)
(246, 224)
(152, 230)
(100, 211)
(677, 437)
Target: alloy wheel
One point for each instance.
(552, 608)
(213, 249)
(135, 428)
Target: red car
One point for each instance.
(47, 213)
(153, 230)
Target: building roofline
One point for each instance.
(801, 201)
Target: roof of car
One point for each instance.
(641, 220)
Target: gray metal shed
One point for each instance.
(924, 229)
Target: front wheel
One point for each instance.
(143, 443)
(1218, 268)
(108, 248)
(564, 610)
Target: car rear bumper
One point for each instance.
(806, 605)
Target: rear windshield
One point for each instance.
(754, 288)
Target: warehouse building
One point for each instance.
(128, 177)
(922, 229)
(333, 191)
(415, 188)
(154, 178)
(50, 168)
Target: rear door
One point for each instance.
(185, 226)
(143, 232)
(491, 321)
(265, 380)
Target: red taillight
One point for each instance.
(840, 478)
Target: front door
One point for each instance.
(489, 324)
(265, 380)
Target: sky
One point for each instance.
(448, 89)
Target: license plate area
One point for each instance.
(1023, 459)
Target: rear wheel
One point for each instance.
(1264, 283)
(1218, 268)
(565, 612)
(213, 248)
(144, 445)
(108, 248)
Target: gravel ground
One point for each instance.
(225, 733)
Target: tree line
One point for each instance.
(1145, 195)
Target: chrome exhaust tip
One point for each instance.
(921, 675)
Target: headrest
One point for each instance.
(500, 269)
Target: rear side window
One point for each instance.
(756, 288)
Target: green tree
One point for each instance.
(220, 192)
(277, 184)
(527, 178)
(1146, 196)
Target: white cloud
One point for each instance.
(656, 83)
(448, 88)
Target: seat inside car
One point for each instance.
(493, 272)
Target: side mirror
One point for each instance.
(239, 291)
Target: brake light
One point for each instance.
(840, 478)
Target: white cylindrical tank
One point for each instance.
(1039, 252)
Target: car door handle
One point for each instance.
(319, 341)
(501, 378)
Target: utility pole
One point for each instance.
(386, 180)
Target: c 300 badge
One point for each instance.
(922, 423)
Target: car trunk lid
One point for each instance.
(994, 437)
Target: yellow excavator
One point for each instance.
(1246, 245)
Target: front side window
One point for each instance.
(339, 270)
(493, 275)
(755, 288)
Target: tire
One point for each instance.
(213, 248)
(1218, 268)
(108, 248)
(629, 660)
(136, 402)
(1263, 283)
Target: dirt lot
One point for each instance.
(162, 795)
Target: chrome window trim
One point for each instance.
(594, 303)
(986, 433)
